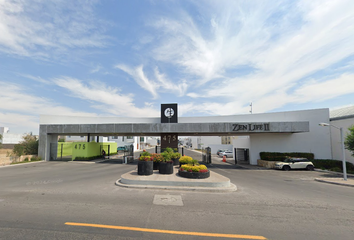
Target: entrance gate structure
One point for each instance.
(273, 132)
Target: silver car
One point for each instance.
(295, 163)
(227, 154)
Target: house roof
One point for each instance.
(342, 113)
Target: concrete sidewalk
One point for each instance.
(332, 180)
(215, 183)
(337, 181)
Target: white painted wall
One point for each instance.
(336, 140)
(241, 142)
(316, 141)
(152, 140)
(10, 138)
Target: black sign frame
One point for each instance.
(169, 113)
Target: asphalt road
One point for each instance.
(36, 200)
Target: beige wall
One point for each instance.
(5, 159)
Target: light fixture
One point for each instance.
(342, 144)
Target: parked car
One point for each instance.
(221, 150)
(295, 163)
(122, 148)
(227, 154)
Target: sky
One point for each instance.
(126, 58)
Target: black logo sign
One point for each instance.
(169, 113)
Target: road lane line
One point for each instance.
(167, 231)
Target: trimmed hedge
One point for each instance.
(87, 158)
(332, 165)
(278, 156)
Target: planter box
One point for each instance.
(266, 164)
(195, 175)
(156, 165)
(175, 161)
(166, 168)
(145, 167)
(180, 164)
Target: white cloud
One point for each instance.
(166, 84)
(105, 98)
(20, 123)
(160, 82)
(139, 76)
(16, 99)
(35, 78)
(279, 43)
(21, 110)
(320, 91)
(96, 69)
(39, 28)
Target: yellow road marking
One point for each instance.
(167, 231)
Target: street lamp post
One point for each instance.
(342, 145)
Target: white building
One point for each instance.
(138, 142)
(10, 138)
(293, 131)
(341, 118)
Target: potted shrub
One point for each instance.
(175, 158)
(185, 160)
(156, 158)
(145, 164)
(166, 165)
(194, 171)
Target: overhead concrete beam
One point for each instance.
(180, 128)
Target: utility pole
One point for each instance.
(251, 108)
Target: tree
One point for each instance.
(29, 146)
(0, 141)
(349, 140)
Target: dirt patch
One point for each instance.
(3, 152)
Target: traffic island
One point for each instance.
(214, 183)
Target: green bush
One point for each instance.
(185, 160)
(35, 158)
(329, 164)
(278, 156)
(87, 158)
(28, 146)
(18, 150)
(193, 168)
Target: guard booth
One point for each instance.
(128, 154)
(241, 155)
(207, 155)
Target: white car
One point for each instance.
(295, 163)
(226, 154)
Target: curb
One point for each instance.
(232, 188)
(335, 183)
(20, 164)
(337, 173)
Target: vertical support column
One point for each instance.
(109, 149)
(98, 139)
(169, 140)
(44, 142)
(88, 137)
